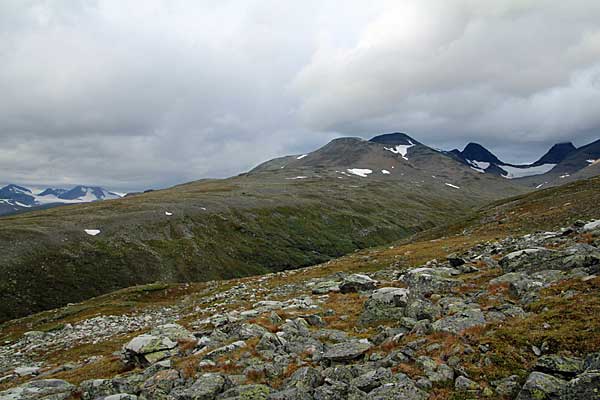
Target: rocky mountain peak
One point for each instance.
(557, 153)
(476, 152)
(396, 138)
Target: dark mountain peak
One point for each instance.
(87, 192)
(52, 192)
(556, 154)
(15, 188)
(396, 138)
(476, 152)
(17, 193)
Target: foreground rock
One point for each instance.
(48, 389)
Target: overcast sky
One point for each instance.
(149, 93)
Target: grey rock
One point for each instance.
(45, 389)
(357, 283)
(291, 394)
(95, 388)
(422, 309)
(206, 387)
(559, 365)
(508, 386)
(247, 392)
(325, 287)
(385, 304)
(348, 351)
(304, 378)
(463, 384)
(540, 386)
(372, 379)
(459, 321)
(119, 396)
(160, 385)
(426, 281)
(584, 386)
(270, 341)
(403, 388)
(592, 362)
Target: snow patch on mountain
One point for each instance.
(301, 157)
(401, 149)
(362, 172)
(514, 172)
(452, 186)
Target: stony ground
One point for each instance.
(513, 318)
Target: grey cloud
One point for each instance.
(151, 93)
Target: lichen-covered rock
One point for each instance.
(247, 392)
(463, 384)
(592, 362)
(206, 387)
(304, 378)
(422, 309)
(372, 379)
(95, 388)
(147, 349)
(45, 389)
(561, 365)
(270, 341)
(460, 321)
(324, 287)
(402, 388)
(540, 386)
(348, 351)
(291, 394)
(385, 304)
(161, 384)
(426, 281)
(174, 332)
(507, 387)
(357, 283)
(119, 396)
(584, 386)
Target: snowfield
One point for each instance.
(514, 172)
(362, 172)
(401, 149)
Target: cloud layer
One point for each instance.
(151, 93)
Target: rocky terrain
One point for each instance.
(502, 305)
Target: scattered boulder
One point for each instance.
(559, 365)
(584, 386)
(427, 280)
(385, 304)
(540, 386)
(206, 387)
(357, 283)
(147, 349)
(460, 321)
(463, 384)
(45, 389)
(402, 388)
(347, 351)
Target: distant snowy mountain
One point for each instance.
(482, 160)
(15, 198)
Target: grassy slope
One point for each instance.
(547, 209)
(221, 229)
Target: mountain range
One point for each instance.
(16, 198)
(558, 163)
(286, 213)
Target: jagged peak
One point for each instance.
(475, 151)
